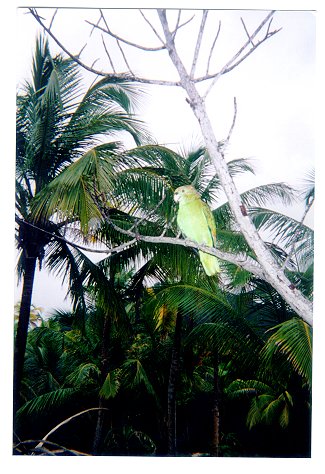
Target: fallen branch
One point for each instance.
(64, 422)
(34, 450)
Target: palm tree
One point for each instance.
(55, 126)
(137, 193)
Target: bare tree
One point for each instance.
(166, 36)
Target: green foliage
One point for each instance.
(115, 349)
(292, 341)
(111, 385)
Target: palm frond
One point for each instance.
(282, 227)
(135, 375)
(111, 385)
(84, 375)
(71, 193)
(292, 340)
(268, 193)
(239, 388)
(47, 401)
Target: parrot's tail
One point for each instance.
(210, 263)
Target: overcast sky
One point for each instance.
(274, 89)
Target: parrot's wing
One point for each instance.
(210, 222)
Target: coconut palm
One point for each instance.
(139, 195)
(56, 124)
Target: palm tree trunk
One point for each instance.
(215, 409)
(104, 371)
(22, 328)
(172, 388)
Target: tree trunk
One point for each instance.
(99, 426)
(104, 371)
(272, 272)
(22, 328)
(215, 409)
(172, 388)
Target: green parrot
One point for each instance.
(196, 222)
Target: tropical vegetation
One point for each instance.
(155, 357)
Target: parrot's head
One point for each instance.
(184, 193)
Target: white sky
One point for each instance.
(274, 87)
(275, 90)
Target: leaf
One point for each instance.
(111, 385)
(47, 401)
(292, 340)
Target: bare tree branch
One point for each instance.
(123, 40)
(198, 42)
(64, 422)
(229, 66)
(177, 22)
(75, 58)
(108, 55)
(233, 66)
(241, 260)
(212, 49)
(269, 26)
(246, 31)
(153, 28)
(273, 272)
(232, 63)
(54, 15)
(95, 71)
(124, 57)
(233, 121)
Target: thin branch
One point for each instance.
(93, 29)
(177, 22)
(153, 28)
(116, 249)
(84, 46)
(212, 48)
(136, 225)
(108, 55)
(103, 18)
(94, 62)
(75, 58)
(246, 31)
(178, 27)
(268, 27)
(124, 57)
(123, 40)
(64, 422)
(230, 68)
(233, 120)
(95, 71)
(54, 15)
(198, 42)
(227, 68)
(231, 64)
